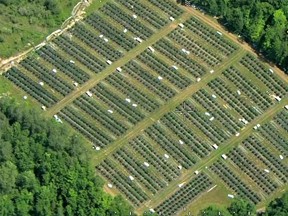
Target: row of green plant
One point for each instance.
(142, 146)
(32, 88)
(122, 182)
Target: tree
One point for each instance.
(27, 180)
(213, 7)
(279, 18)
(6, 151)
(241, 207)
(53, 6)
(278, 207)
(255, 29)
(7, 2)
(23, 203)
(6, 206)
(8, 175)
(235, 19)
(46, 200)
(213, 211)
(222, 7)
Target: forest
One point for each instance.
(262, 23)
(44, 169)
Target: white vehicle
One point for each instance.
(89, 93)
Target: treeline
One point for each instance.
(28, 10)
(48, 13)
(44, 169)
(239, 207)
(263, 23)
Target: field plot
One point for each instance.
(214, 38)
(260, 158)
(185, 195)
(171, 107)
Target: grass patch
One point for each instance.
(27, 24)
(218, 196)
(95, 5)
(8, 89)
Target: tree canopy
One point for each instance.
(240, 207)
(213, 211)
(278, 207)
(44, 169)
(263, 23)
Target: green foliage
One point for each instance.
(24, 22)
(119, 207)
(262, 22)
(8, 2)
(240, 207)
(213, 211)
(52, 6)
(278, 207)
(43, 170)
(236, 17)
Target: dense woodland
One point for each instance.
(46, 12)
(263, 23)
(44, 171)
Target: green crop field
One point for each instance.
(178, 115)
